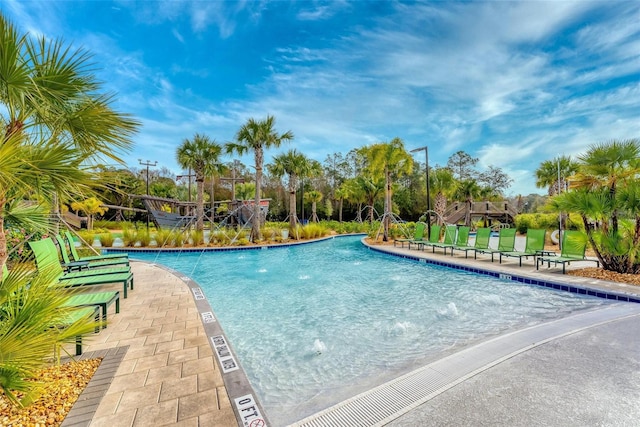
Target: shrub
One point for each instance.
(144, 237)
(243, 241)
(196, 237)
(164, 238)
(129, 237)
(86, 236)
(221, 236)
(17, 239)
(106, 239)
(269, 233)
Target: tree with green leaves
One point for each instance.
(32, 313)
(245, 190)
(443, 184)
(553, 174)
(462, 165)
(342, 194)
(495, 180)
(293, 165)
(336, 169)
(606, 194)
(55, 121)
(369, 190)
(91, 207)
(256, 136)
(389, 161)
(202, 155)
(314, 197)
(467, 191)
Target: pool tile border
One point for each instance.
(222, 249)
(581, 290)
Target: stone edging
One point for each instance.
(85, 407)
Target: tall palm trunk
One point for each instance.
(293, 214)
(255, 223)
(292, 210)
(467, 215)
(200, 203)
(440, 207)
(387, 205)
(340, 210)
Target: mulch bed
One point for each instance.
(63, 385)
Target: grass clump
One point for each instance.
(106, 239)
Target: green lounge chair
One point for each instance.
(96, 299)
(418, 235)
(450, 239)
(45, 252)
(49, 260)
(84, 312)
(79, 265)
(506, 243)
(434, 237)
(483, 235)
(91, 305)
(574, 246)
(533, 246)
(76, 257)
(462, 239)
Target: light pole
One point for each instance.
(147, 164)
(560, 214)
(426, 157)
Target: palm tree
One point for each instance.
(295, 165)
(467, 191)
(355, 193)
(391, 161)
(55, 122)
(367, 190)
(90, 207)
(256, 136)
(314, 170)
(245, 190)
(341, 194)
(314, 197)
(443, 184)
(202, 155)
(554, 173)
(605, 189)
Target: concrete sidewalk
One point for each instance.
(167, 375)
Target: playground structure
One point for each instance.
(176, 214)
(492, 213)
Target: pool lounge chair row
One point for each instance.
(456, 238)
(84, 273)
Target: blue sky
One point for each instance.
(511, 83)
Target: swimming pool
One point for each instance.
(315, 324)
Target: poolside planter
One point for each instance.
(285, 234)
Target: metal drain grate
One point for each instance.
(389, 401)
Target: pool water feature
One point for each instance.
(316, 324)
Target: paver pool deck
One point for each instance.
(164, 372)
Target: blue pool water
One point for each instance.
(315, 324)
